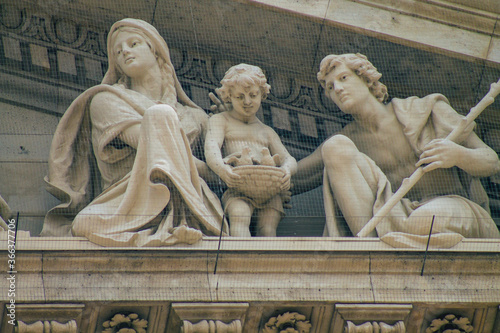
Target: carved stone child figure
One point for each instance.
(242, 139)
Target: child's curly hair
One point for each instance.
(360, 65)
(244, 75)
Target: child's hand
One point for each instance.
(229, 177)
(218, 106)
(285, 181)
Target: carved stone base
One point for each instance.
(211, 326)
(375, 327)
(47, 327)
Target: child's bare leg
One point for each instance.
(240, 216)
(267, 222)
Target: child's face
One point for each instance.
(246, 101)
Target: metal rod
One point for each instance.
(427, 248)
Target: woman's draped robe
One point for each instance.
(136, 206)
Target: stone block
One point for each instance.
(35, 95)
(66, 62)
(23, 188)
(22, 121)
(307, 125)
(281, 119)
(249, 38)
(12, 48)
(93, 69)
(39, 56)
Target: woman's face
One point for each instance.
(133, 55)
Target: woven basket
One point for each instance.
(260, 182)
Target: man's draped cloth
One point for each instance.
(421, 124)
(146, 192)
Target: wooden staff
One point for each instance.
(408, 183)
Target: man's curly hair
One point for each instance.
(360, 65)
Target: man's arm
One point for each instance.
(472, 155)
(289, 164)
(309, 173)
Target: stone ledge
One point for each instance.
(256, 270)
(282, 244)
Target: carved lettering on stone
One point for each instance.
(47, 327)
(211, 326)
(289, 322)
(375, 327)
(450, 323)
(121, 323)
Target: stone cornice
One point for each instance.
(251, 270)
(441, 27)
(444, 12)
(257, 244)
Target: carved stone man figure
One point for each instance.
(384, 144)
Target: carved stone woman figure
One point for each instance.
(121, 159)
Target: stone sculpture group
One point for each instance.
(128, 157)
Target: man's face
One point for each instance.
(346, 89)
(246, 101)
